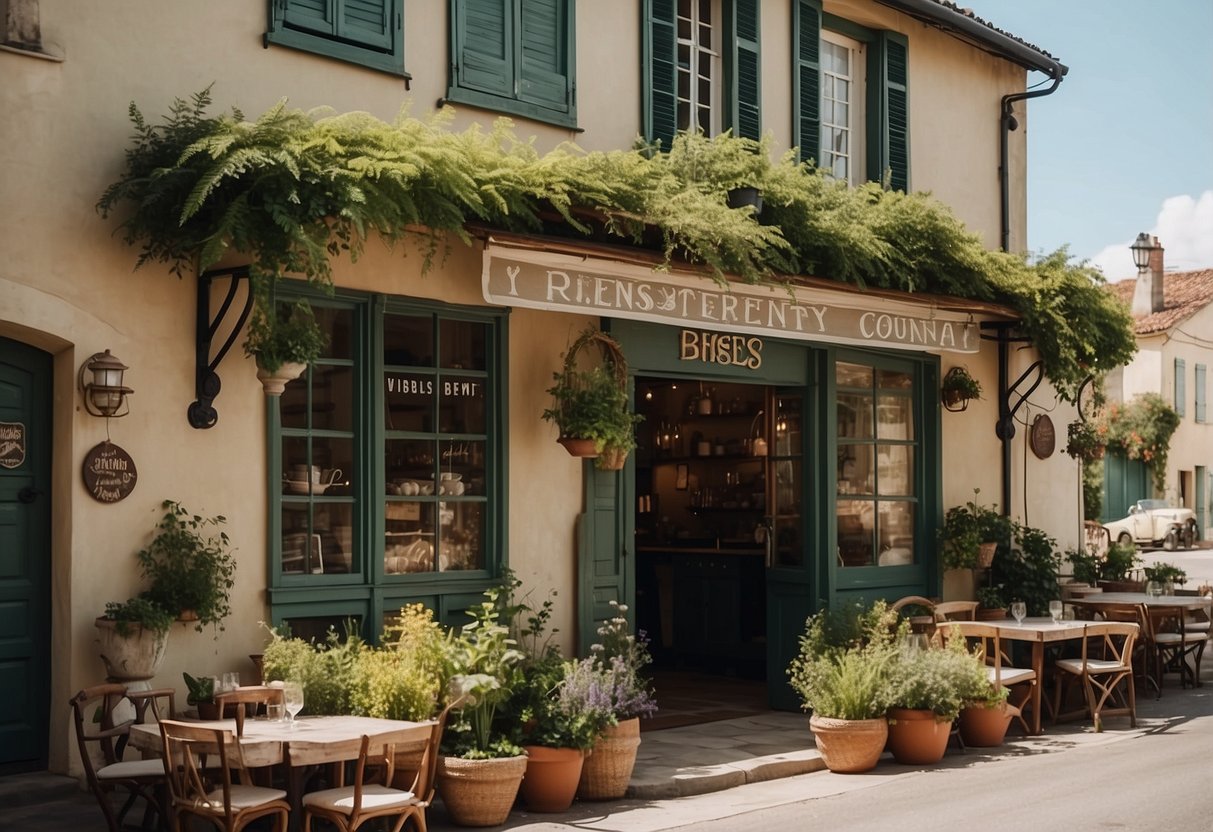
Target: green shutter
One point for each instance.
(306, 16)
(605, 550)
(743, 105)
(484, 41)
(544, 75)
(1181, 391)
(890, 90)
(1201, 414)
(660, 72)
(366, 22)
(365, 32)
(806, 79)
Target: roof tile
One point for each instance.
(1184, 294)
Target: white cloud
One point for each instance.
(1184, 228)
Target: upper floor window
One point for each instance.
(516, 56)
(701, 68)
(366, 32)
(843, 86)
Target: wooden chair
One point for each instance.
(229, 804)
(1106, 664)
(372, 794)
(919, 611)
(986, 642)
(93, 710)
(1173, 645)
(239, 701)
(955, 611)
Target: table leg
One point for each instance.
(1038, 665)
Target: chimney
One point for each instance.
(1148, 294)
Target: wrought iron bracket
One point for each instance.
(202, 413)
(1005, 429)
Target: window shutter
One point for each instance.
(893, 77)
(543, 73)
(366, 22)
(1199, 393)
(484, 38)
(1181, 393)
(306, 15)
(743, 109)
(660, 74)
(806, 79)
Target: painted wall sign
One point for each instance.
(716, 348)
(109, 473)
(565, 283)
(397, 384)
(1043, 436)
(12, 444)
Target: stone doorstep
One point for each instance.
(652, 781)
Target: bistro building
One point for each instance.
(794, 450)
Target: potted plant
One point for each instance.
(200, 692)
(1166, 575)
(842, 674)
(190, 566)
(986, 715)
(283, 342)
(590, 406)
(970, 535)
(929, 688)
(991, 603)
(957, 388)
(133, 635)
(1117, 568)
(1085, 441)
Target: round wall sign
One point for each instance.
(109, 473)
(1042, 437)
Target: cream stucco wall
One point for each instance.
(67, 285)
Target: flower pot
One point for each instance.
(130, 658)
(612, 459)
(551, 778)
(208, 710)
(741, 197)
(275, 382)
(608, 768)
(983, 727)
(990, 613)
(584, 448)
(985, 554)
(1123, 586)
(917, 737)
(849, 746)
(480, 792)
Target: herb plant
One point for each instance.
(140, 611)
(940, 680)
(190, 565)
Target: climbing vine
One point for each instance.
(1142, 429)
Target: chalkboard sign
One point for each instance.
(109, 473)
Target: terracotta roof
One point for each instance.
(1184, 294)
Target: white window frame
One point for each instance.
(701, 59)
(855, 125)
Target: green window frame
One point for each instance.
(365, 32)
(1199, 393)
(515, 56)
(386, 459)
(1181, 387)
(742, 68)
(886, 97)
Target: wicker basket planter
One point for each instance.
(608, 769)
(480, 792)
(849, 746)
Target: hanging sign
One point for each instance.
(1043, 436)
(595, 286)
(109, 473)
(12, 444)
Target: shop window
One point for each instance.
(879, 452)
(366, 32)
(386, 456)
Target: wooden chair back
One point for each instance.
(239, 701)
(955, 611)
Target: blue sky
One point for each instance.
(1125, 144)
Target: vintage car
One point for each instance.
(1155, 523)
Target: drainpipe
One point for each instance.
(1009, 123)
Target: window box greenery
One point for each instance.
(957, 388)
(190, 565)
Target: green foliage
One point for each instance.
(1092, 490)
(325, 670)
(1165, 573)
(404, 678)
(1028, 572)
(624, 657)
(289, 335)
(139, 610)
(846, 660)
(199, 690)
(991, 597)
(1115, 565)
(966, 527)
(957, 384)
(940, 680)
(190, 565)
(1142, 429)
(591, 404)
(293, 189)
(1085, 440)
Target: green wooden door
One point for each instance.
(1125, 482)
(606, 567)
(25, 382)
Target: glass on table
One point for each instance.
(292, 695)
(1055, 610)
(1019, 611)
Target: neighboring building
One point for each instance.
(919, 88)
(1173, 317)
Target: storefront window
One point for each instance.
(877, 447)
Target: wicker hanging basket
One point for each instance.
(612, 359)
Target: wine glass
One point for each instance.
(1018, 611)
(292, 695)
(1055, 609)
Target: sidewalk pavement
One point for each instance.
(685, 775)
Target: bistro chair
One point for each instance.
(1144, 651)
(919, 611)
(253, 697)
(1105, 669)
(102, 742)
(1174, 645)
(955, 611)
(211, 792)
(984, 639)
(372, 794)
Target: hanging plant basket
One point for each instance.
(581, 448)
(985, 554)
(957, 388)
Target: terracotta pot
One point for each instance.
(480, 792)
(985, 554)
(917, 737)
(1123, 586)
(130, 658)
(208, 710)
(275, 382)
(551, 778)
(983, 727)
(584, 448)
(608, 769)
(849, 746)
(990, 613)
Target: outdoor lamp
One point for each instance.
(104, 395)
(1141, 249)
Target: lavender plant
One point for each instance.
(621, 657)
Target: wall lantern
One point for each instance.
(104, 395)
(1141, 249)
